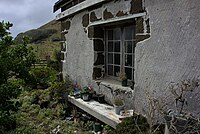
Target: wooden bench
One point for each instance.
(103, 112)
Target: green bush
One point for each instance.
(8, 91)
(136, 124)
(54, 65)
(43, 76)
(61, 88)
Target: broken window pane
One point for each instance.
(128, 60)
(117, 59)
(128, 72)
(110, 58)
(128, 33)
(120, 50)
(110, 70)
(128, 47)
(110, 34)
(117, 33)
(116, 69)
(110, 46)
(117, 46)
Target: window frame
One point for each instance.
(122, 52)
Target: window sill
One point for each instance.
(110, 82)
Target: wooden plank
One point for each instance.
(103, 112)
(81, 6)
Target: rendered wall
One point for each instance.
(171, 54)
(83, 51)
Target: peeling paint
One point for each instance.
(65, 25)
(93, 17)
(107, 15)
(121, 13)
(136, 6)
(139, 25)
(85, 20)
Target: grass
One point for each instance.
(46, 48)
(32, 119)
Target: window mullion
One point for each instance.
(122, 50)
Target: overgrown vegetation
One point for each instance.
(15, 64)
(34, 101)
(132, 125)
(25, 108)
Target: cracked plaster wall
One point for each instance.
(80, 56)
(79, 53)
(172, 53)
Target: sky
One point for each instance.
(26, 14)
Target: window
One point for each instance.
(120, 46)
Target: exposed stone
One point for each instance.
(90, 32)
(96, 72)
(95, 32)
(120, 13)
(141, 37)
(136, 6)
(139, 25)
(63, 48)
(85, 20)
(107, 15)
(148, 26)
(61, 66)
(62, 56)
(93, 17)
(98, 45)
(63, 36)
(65, 25)
(100, 59)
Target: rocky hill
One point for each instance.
(44, 40)
(48, 32)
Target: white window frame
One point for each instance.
(122, 51)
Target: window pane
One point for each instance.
(128, 33)
(110, 70)
(128, 72)
(128, 60)
(110, 34)
(116, 69)
(117, 33)
(110, 46)
(117, 59)
(117, 46)
(110, 58)
(128, 47)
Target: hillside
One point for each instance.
(44, 40)
(48, 32)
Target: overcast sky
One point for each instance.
(26, 14)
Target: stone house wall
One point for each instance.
(167, 49)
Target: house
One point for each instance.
(155, 42)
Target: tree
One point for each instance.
(15, 64)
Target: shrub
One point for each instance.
(61, 88)
(43, 76)
(54, 65)
(132, 125)
(15, 63)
